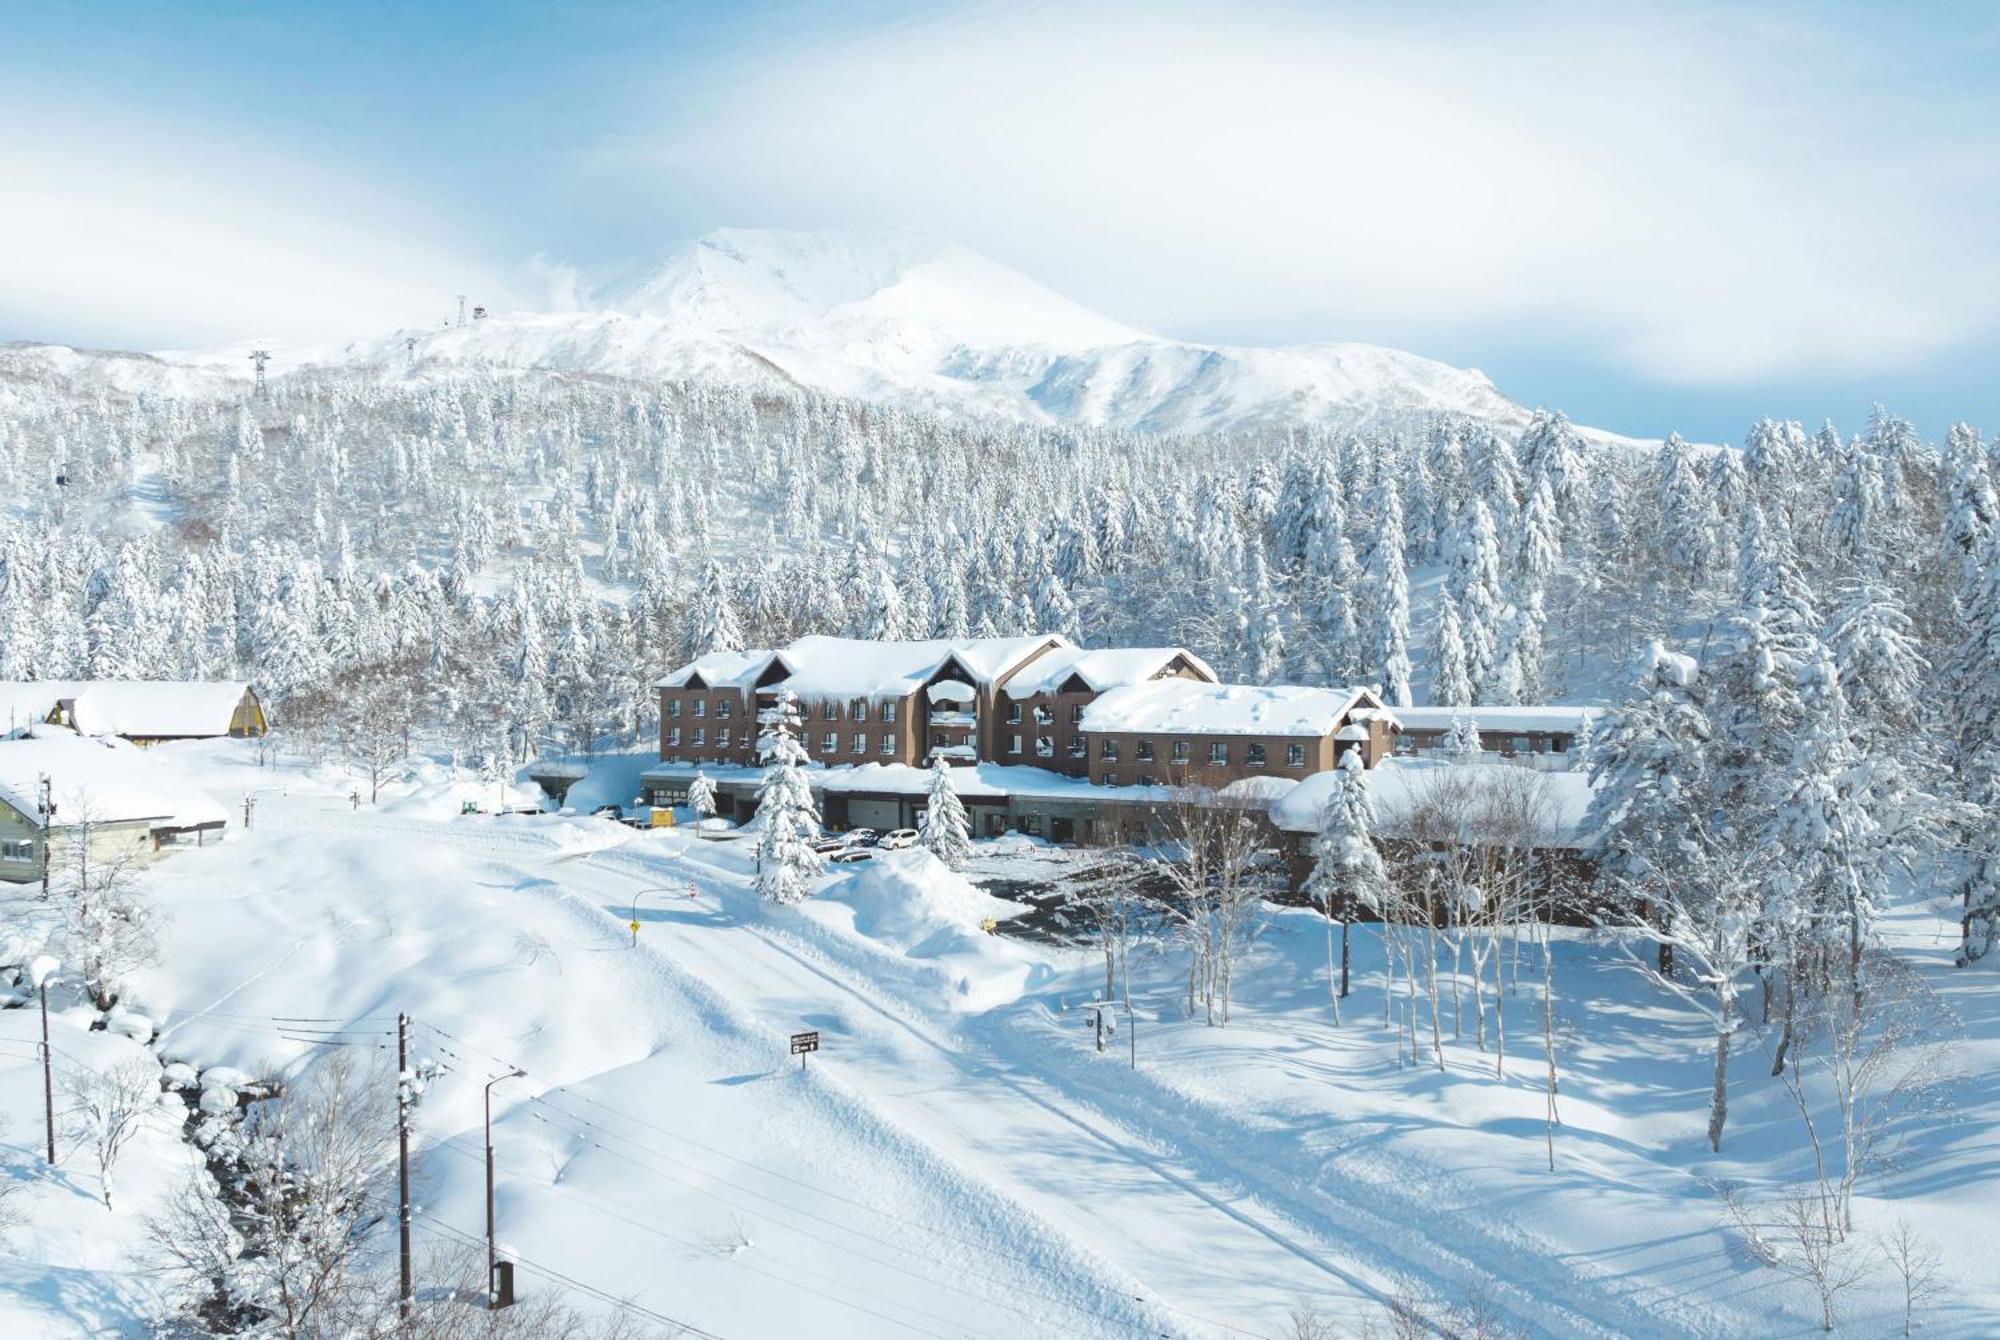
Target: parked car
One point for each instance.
(901, 838)
(830, 846)
(861, 837)
(852, 856)
(612, 811)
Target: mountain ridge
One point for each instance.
(900, 319)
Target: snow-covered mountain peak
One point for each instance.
(749, 281)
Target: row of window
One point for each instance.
(829, 743)
(1255, 755)
(830, 710)
(1043, 716)
(17, 851)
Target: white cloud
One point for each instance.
(138, 234)
(1704, 200)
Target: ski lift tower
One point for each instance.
(260, 357)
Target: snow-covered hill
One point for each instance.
(925, 325)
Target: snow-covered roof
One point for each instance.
(100, 778)
(1100, 667)
(153, 709)
(145, 708)
(1396, 784)
(719, 669)
(1558, 718)
(1190, 707)
(849, 667)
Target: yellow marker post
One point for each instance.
(635, 934)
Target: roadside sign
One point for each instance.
(803, 1043)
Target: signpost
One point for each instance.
(803, 1043)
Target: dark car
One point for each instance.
(862, 837)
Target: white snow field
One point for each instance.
(957, 1159)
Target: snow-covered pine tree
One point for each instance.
(1451, 680)
(1347, 868)
(1461, 742)
(701, 796)
(944, 832)
(1388, 599)
(714, 625)
(788, 821)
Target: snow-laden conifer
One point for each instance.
(945, 833)
(788, 822)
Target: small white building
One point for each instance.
(126, 805)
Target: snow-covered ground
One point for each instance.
(957, 1159)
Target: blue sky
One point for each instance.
(1653, 216)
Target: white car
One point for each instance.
(899, 839)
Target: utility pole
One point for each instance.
(48, 1076)
(492, 1294)
(403, 1105)
(45, 807)
(260, 357)
(249, 807)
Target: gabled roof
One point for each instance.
(850, 667)
(146, 708)
(1101, 668)
(152, 709)
(1189, 707)
(720, 669)
(100, 778)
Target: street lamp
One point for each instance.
(658, 888)
(491, 1301)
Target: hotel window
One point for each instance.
(1218, 752)
(829, 743)
(700, 737)
(888, 714)
(1076, 714)
(1256, 755)
(673, 737)
(1145, 779)
(888, 744)
(1295, 756)
(1013, 744)
(1143, 751)
(830, 710)
(860, 742)
(860, 712)
(1182, 751)
(1013, 713)
(1078, 747)
(723, 709)
(17, 851)
(722, 737)
(700, 708)
(1523, 745)
(673, 707)
(1109, 750)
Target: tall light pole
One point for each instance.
(491, 1301)
(662, 888)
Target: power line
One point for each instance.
(986, 1248)
(609, 1208)
(430, 1223)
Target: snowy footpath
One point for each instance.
(956, 1159)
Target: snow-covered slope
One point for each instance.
(902, 320)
